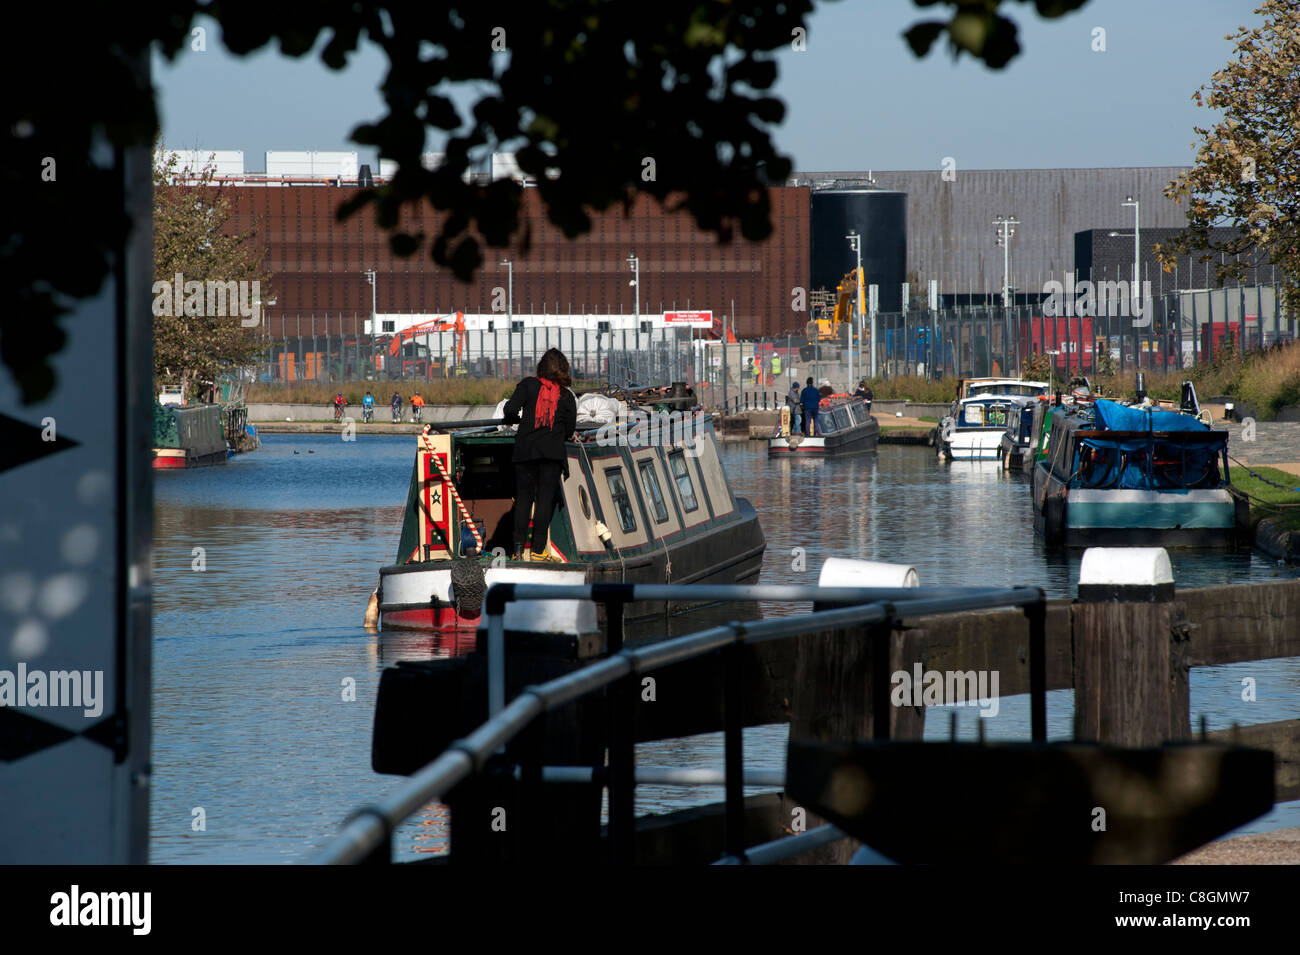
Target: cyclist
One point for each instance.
(339, 404)
(368, 407)
(396, 403)
(417, 406)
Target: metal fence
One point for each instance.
(367, 836)
(317, 351)
(1176, 330)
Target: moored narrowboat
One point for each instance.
(979, 417)
(188, 437)
(845, 426)
(1017, 442)
(1120, 475)
(645, 500)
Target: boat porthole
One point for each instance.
(586, 504)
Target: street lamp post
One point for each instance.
(855, 243)
(510, 316)
(1137, 249)
(635, 263)
(370, 277)
(1006, 228)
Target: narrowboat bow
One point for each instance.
(645, 501)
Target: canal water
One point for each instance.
(265, 681)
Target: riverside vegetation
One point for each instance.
(1262, 383)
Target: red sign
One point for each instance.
(688, 318)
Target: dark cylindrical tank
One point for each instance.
(880, 217)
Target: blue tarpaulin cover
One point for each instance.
(1116, 417)
(1144, 463)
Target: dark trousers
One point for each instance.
(536, 485)
(810, 427)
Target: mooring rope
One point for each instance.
(1257, 475)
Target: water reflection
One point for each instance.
(253, 653)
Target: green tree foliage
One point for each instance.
(194, 238)
(977, 28)
(1247, 170)
(600, 101)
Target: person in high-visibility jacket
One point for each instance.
(776, 367)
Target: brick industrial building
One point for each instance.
(317, 263)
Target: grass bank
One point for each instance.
(1267, 500)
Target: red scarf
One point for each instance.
(547, 400)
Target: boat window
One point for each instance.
(972, 416)
(622, 503)
(1026, 425)
(685, 490)
(653, 493)
(584, 501)
(996, 416)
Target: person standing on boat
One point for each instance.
(811, 400)
(796, 407)
(547, 413)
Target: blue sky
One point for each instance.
(856, 97)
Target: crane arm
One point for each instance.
(440, 324)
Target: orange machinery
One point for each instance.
(444, 323)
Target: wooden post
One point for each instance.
(1130, 665)
(832, 700)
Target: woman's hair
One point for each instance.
(555, 367)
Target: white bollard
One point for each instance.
(1125, 573)
(843, 572)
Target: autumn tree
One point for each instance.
(1247, 170)
(201, 334)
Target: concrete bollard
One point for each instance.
(1130, 675)
(843, 572)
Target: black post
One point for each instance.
(532, 842)
(622, 750)
(734, 758)
(1036, 613)
(879, 634)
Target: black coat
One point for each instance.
(540, 444)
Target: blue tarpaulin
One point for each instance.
(1148, 463)
(1117, 417)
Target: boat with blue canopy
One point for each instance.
(1117, 474)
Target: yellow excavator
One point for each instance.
(831, 319)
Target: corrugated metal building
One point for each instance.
(950, 221)
(1107, 254)
(317, 264)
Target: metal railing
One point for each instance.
(1177, 329)
(367, 834)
